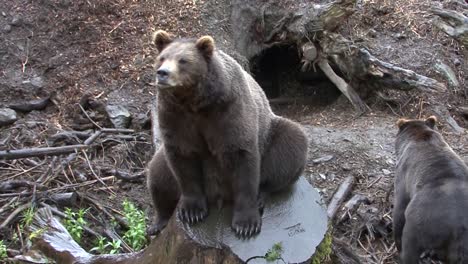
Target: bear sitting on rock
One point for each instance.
(430, 211)
(221, 140)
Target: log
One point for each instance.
(39, 152)
(292, 218)
(369, 72)
(453, 23)
(340, 195)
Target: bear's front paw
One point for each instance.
(247, 223)
(192, 209)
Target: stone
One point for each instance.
(7, 116)
(7, 29)
(323, 159)
(16, 20)
(37, 82)
(119, 116)
(294, 217)
(386, 172)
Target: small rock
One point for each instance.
(119, 116)
(332, 176)
(457, 62)
(16, 20)
(7, 29)
(37, 82)
(346, 167)
(7, 116)
(399, 36)
(4, 14)
(386, 172)
(322, 176)
(323, 159)
(390, 161)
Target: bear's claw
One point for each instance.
(247, 224)
(192, 212)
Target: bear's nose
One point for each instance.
(162, 74)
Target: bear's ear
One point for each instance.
(205, 45)
(401, 122)
(431, 121)
(161, 38)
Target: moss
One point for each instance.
(323, 251)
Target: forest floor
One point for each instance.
(97, 53)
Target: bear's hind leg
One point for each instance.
(285, 157)
(164, 191)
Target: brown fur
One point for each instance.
(221, 140)
(431, 195)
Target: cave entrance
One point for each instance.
(278, 71)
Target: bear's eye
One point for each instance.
(161, 59)
(183, 61)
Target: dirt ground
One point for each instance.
(96, 53)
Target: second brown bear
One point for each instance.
(221, 140)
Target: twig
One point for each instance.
(39, 152)
(12, 216)
(7, 205)
(89, 118)
(125, 176)
(94, 173)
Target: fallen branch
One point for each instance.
(39, 152)
(31, 105)
(344, 87)
(124, 175)
(343, 191)
(12, 216)
(9, 185)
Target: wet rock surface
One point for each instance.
(295, 218)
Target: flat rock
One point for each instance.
(294, 217)
(7, 116)
(119, 116)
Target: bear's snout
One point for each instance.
(162, 75)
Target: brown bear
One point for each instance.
(221, 140)
(430, 210)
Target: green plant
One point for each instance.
(274, 253)
(115, 246)
(135, 235)
(28, 216)
(101, 245)
(3, 251)
(74, 222)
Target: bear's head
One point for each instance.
(417, 129)
(181, 63)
